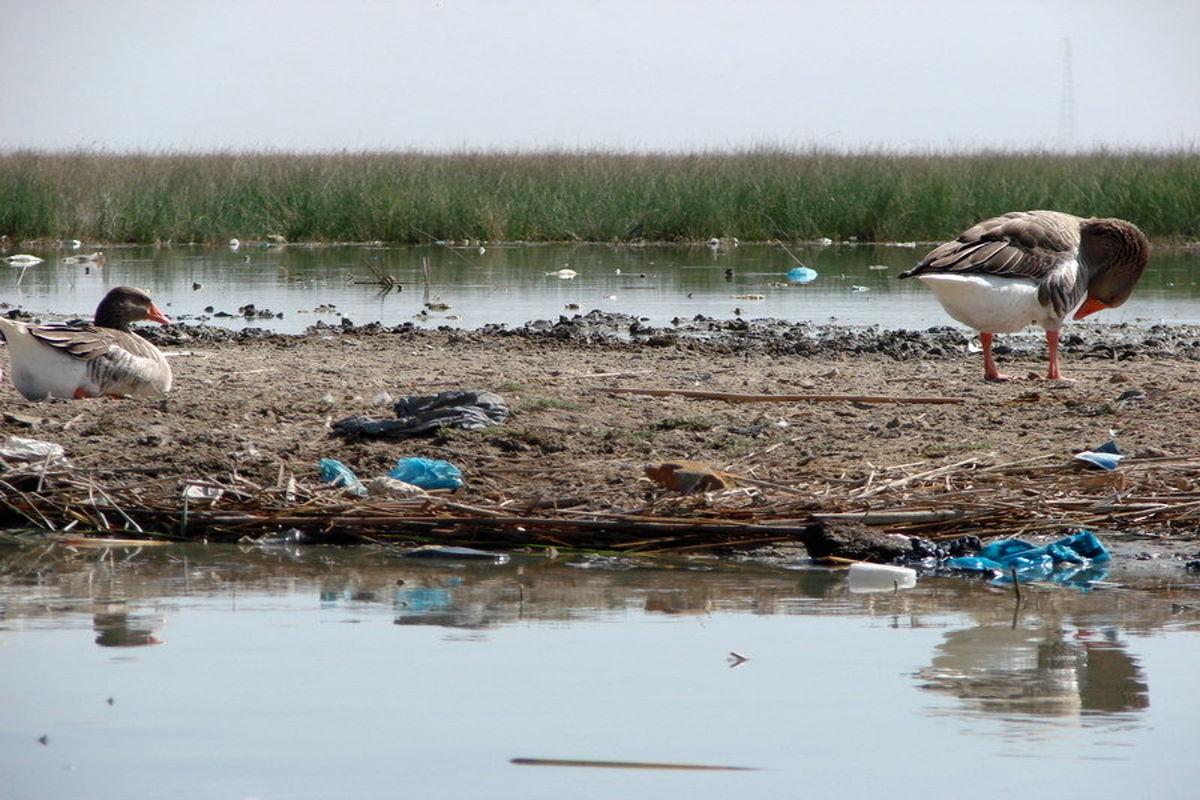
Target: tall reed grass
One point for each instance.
(756, 194)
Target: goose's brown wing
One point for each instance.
(1041, 246)
(87, 342)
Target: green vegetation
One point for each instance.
(683, 424)
(548, 403)
(755, 194)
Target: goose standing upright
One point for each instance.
(1029, 267)
(81, 360)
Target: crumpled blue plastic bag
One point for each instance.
(1061, 561)
(338, 474)
(427, 473)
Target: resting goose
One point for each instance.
(81, 360)
(1029, 267)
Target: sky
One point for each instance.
(629, 75)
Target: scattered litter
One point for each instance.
(1106, 456)
(199, 491)
(563, 274)
(457, 553)
(418, 415)
(427, 473)
(866, 577)
(384, 486)
(1060, 562)
(18, 448)
(338, 474)
(801, 274)
(287, 538)
(688, 477)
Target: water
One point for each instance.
(510, 284)
(209, 672)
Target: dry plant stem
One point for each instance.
(736, 397)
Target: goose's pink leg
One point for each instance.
(1052, 343)
(989, 364)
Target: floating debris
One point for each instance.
(801, 274)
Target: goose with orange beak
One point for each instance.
(1033, 267)
(81, 360)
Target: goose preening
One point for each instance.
(81, 360)
(1029, 267)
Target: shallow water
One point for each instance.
(224, 672)
(855, 285)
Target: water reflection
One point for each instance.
(116, 627)
(274, 662)
(1054, 670)
(1062, 655)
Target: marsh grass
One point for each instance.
(755, 195)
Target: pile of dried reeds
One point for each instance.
(1150, 495)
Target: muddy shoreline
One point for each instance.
(252, 408)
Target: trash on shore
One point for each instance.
(338, 474)
(1059, 561)
(1106, 456)
(18, 448)
(419, 415)
(427, 473)
(688, 477)
(384, 486)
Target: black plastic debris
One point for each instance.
(421, 415)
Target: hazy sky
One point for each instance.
(627, 74)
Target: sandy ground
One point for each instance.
(260, 406)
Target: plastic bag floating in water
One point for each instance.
(801, 275)
(1060, 561)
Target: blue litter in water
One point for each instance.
(1088, 545)
(801, 275)
(1106, 456)
(1003, 549)
(1072, 560)
(337, 473)
(427, 473)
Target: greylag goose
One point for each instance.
(81, 360)
(1029, 267)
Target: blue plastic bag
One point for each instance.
(1087, 545)
(337, 473)
(1069, 560)
(427, 473)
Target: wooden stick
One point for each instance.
(737, 397)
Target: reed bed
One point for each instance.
(408, 197)
(1153, 496)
